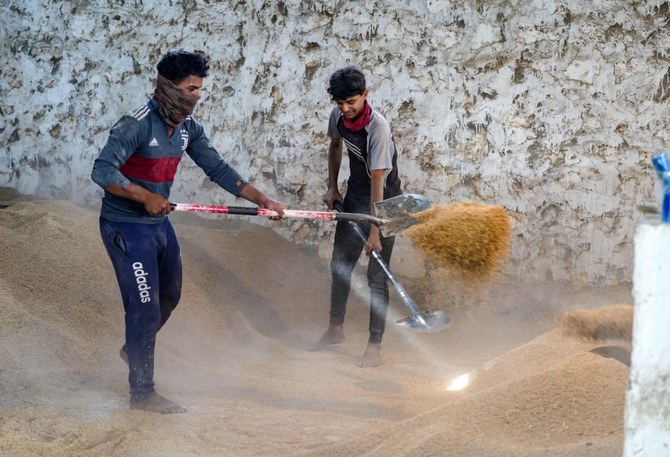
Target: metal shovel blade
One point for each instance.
(429, 321)
(397, 212)
(402, 205)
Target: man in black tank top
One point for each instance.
(373, 177)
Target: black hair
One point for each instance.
(346, 82)
(179, 65)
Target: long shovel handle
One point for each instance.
(404, 296)
(252, 211)
(249, 211)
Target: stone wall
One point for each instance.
(551, 109)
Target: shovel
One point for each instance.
(394, 214)
(426, 321)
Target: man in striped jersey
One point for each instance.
(373, 177)
(136, 168)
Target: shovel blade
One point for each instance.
(401, 206)
(395, 226)
(398, 212)
(429, 321)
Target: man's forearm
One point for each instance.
(334, 163)
(132, 192)
(376, 194)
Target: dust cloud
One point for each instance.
(235, 354)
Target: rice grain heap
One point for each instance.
(605, 323)
(469, 238)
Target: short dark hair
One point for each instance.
(178, 65)
(346, 82)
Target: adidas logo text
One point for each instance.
(141, 280)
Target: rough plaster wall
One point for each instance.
(549, 108)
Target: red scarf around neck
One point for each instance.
(360, 122)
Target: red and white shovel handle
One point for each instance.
(249, 211)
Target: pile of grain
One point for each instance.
(608, 322)
(470, 238)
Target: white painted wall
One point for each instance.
(549, 108)
(647, 418)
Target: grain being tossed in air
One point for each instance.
(469, 237)
(608, 322)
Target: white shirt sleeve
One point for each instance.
(335, 114)
(380, 144)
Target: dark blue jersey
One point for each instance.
(139, 150)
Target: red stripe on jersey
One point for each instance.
(154, 170)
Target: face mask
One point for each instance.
(175, 104)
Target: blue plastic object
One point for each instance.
(662, 166)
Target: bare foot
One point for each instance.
(371, 357)
(124, 355)
(334, 335)
(158, 404)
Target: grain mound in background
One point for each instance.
(606, 323)
(469, 238)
